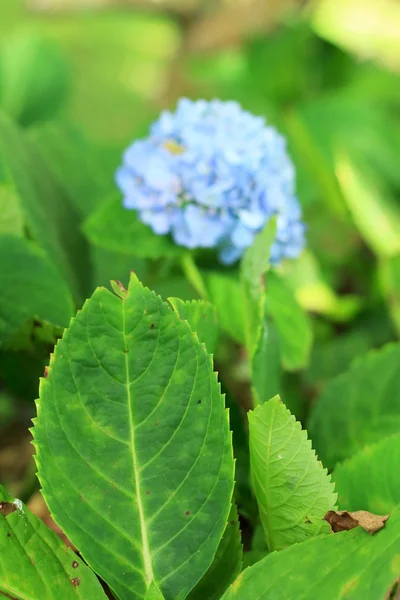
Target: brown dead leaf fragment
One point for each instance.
(6, 508)
(342, 520)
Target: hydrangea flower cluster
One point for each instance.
(212, 174)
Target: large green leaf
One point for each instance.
(202, 318)
(132, 428)
(292, 323)
(359, 407)
(116, 228)
(30, 287)
(351, 565)
(226, 566)
(35, 564)
(43, 206)
(368, 480)
(293, 490)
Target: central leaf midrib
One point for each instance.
(148, 565)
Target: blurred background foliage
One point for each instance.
(85, 77)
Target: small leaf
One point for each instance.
(116, 228)
(341, 520)
(351, 565)
(154, 485)
(254, 265)
(30, 287)
(35, 564)
(226, 565)
(366, 480)
(292, 323)
(202, 319)
(358, 407)
(293, 490)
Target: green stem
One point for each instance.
(193, 275)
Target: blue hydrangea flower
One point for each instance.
(211, 175)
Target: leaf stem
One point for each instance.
(194, 275)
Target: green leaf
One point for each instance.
(293, 490)
(35, 564)
(34, 78)
(30, 287)
(153, 593)
(202, 318)
(154, 485)
(253, 267)
(292, 323)
(266, 363)
(226, 566)
(367, 480)
(116, 228)
(225, 291)
(43, 206)
(376, 215)
(389, 274)
(11, 220)
(76, 163)
(352, 564)
(358, 407)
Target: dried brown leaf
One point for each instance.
(342, 520)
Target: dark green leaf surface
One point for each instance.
(154, 483)
(30, 287)
(35, 564)
(293, 490)
(116, 228)
(351, 565)
(43, 206)
(226, 565)
(359, 407)
(253, 266)
(292, 323)
(202, 318)
(368, 480)
(266, 363)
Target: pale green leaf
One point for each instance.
(30, 287)
(368, 480)
(293, 490)
(35, 564)
(154, 485)
(358, 407)
(253, 266)
(376, 215)
(153, 593)
(34, 77)
(116, 228)
(226, 565)
(11, 220)
(351, 565)
(292, 323)
(202, 318)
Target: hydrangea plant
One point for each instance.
(212, 175)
